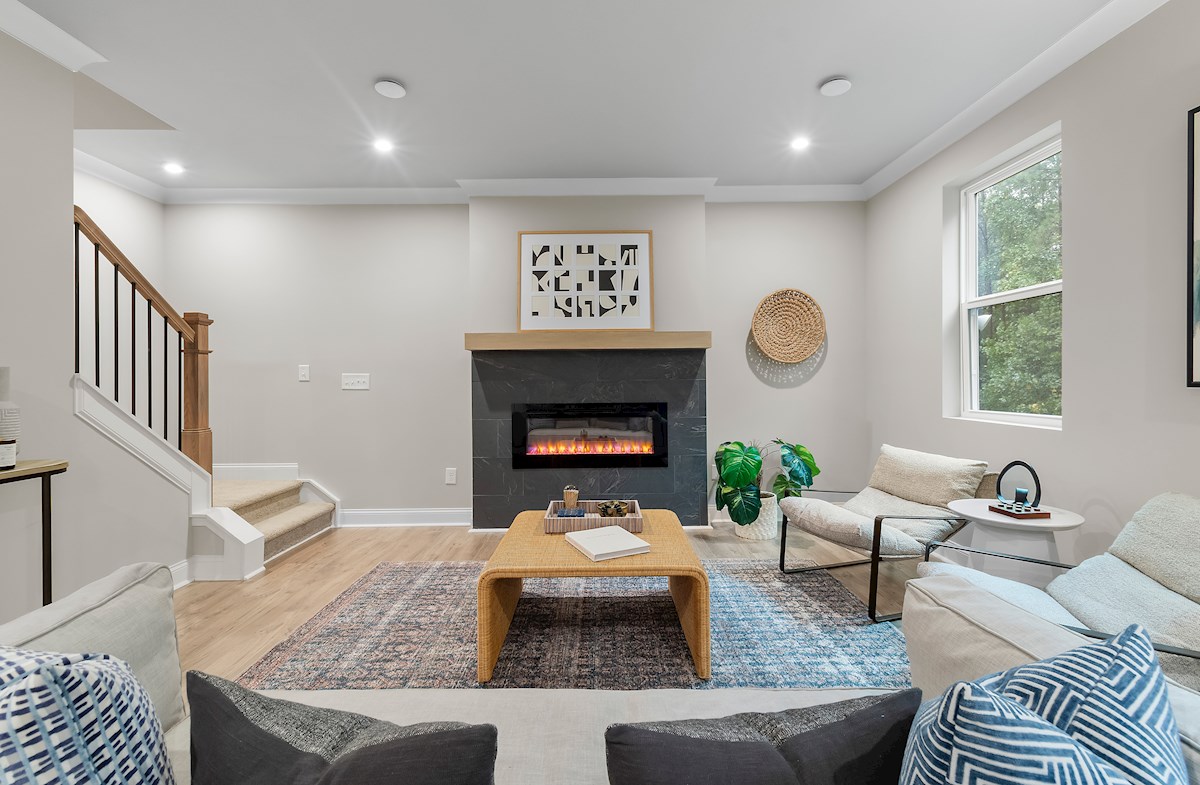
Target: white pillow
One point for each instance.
(924, 477)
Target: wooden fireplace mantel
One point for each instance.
(574, 340)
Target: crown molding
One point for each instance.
(90, 164)
(787, 193)
(41, 35)
(590, 186)
(1095, 31)
(315, 196)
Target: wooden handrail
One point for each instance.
(132, 274)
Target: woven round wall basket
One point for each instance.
(788, 326)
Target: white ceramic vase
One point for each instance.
(766, 525)
(10, 413)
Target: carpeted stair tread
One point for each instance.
(256, 500)
(282, 522)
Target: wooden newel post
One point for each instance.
(197, 437)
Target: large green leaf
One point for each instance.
(783, 488)
(720, 498)
(744, 503)
(798, 463)
(737, 464)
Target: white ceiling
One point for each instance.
(275, 94)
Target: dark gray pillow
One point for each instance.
(858, 741)
(240, 736)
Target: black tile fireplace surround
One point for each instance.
(504, 380)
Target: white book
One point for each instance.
(607, 542)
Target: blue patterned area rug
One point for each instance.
(413, 625)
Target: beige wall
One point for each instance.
(132, 221)
(754, 249)
(345, 289)
(341, 289)
(1129, 424)
(680, 269)
(109, 508)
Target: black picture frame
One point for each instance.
(1193, 268)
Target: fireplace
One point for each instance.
(568, 435)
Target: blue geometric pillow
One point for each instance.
(1096, 714)
(974, 736)
(77, 718)
(1109, 696)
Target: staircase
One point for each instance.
(276, 509)
(141, 379)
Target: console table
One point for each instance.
(28, 470)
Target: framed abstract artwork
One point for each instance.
(1193, 342)
(585, 281)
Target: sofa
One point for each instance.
(552, 736)
(1149, 575)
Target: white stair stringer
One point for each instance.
(221, 545)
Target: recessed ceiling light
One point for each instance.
(390, 88)
(171, 167)
(801, 143)
(835, 86)
(384, 145)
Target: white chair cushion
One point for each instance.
(924, 477)
(872, 501)
(1022, 595)
(1107, 595)
(838, 524)
(1163, 542)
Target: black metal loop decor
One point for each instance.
(1037, 486)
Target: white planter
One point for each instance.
(766, 525)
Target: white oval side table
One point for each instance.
(991, 531)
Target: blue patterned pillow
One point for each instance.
(1096, 714)
(77, 718)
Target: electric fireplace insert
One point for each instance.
(583, 435)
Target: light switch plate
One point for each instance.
(304, 377)
(452, 476)
(356, 381)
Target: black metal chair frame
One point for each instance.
(873, 560)
(933, 545)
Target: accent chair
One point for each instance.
(902, 509)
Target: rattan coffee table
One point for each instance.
(528, 552)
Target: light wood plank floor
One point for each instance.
(225, 627)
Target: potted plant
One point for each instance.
(739, 477)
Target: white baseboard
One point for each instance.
(256, 471)
(211, 568)
(181, 574)
(413, 516)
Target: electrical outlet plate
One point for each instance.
(452, 476)
(356, 381)
(304, 376)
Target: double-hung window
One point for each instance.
(1011, 298)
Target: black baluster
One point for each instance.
(166, 375)
(149, 367)
(77, 325)
(96, 304)
(116, 336)
(179, 387)
(133, 345)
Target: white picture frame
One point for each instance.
(598, 280)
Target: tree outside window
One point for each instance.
(1012, 297)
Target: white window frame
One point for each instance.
(969, 300)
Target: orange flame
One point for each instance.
(590, 446)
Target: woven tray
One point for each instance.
(592, 519)
(788, 326)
